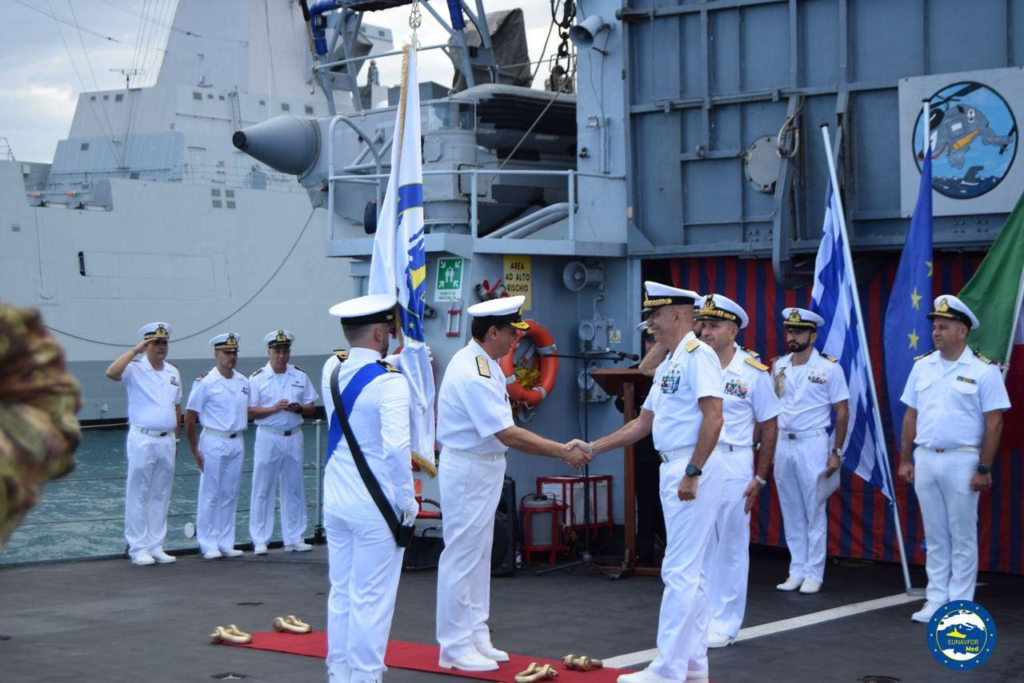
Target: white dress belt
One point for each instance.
(280, 432)
(733, 448)
(803, 435)
(153, 432)
(223, 435)
(956, 449)
(677, 453)
(491, 457)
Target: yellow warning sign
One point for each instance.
(518, 272)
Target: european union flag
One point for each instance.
(907, 328)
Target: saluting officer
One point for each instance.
(955, 401)
(474, 426)
(154, 411)
(750, 406)
(810, 385)
(282, 395)
(684, 412)
(364, 558)
(219, 401)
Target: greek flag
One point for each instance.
(399, 260)
(832, 297)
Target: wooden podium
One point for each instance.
(628, 384)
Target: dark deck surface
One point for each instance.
(109, 621)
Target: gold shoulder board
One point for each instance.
(692, 345)
(202, 375)
(924, 355)
(388, 366)
(760, 366)
(341, 354)
(755, 354)
(827, 357)
(482, 367)
(983, 359)
(256, 372)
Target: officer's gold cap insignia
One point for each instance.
(482, 367)
(943, 306)
(794, 317)
(281, 336)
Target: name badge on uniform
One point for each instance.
(175, 382)
(736, 388)
(817, 377)
(969, 380)
(297, 384)
(245, 390)
(670, 381)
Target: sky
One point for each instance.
(45, 64)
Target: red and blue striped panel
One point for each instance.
(860, 519)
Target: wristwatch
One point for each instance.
(760, 480)
(693, 471)
(838, 452)
(984, 469)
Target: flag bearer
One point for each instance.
(154, 411)
(219, 401)
(955, 401)
(282, 395)
(750, 406)
(811, 385)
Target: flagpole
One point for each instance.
(841, 218)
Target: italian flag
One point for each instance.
(995, 295)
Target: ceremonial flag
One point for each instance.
(398, 265)
(908, 332)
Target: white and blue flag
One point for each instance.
(832, 297)
(399, 260)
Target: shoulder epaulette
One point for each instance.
(341, 354)
(755, 354)
(136, 360)
(829, 358)
(983, 359)
(692, 345)
(200, 377)
(256, 372)
(387, 366)
(482, 367)
(298, 368)
(924, 355)
(757, 364)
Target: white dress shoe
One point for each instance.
(261, 549)
(925, 614)
(491, 652)
(143, 560)
(697, 676)
(474, 661)
(645, 676)
(790, 584)
(720, 640)
(810, 586)
(163, 558)
(300, 547)
(212, 555)
(231, 552)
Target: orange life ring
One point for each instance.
(545, 363)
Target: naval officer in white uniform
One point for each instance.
(280, 396)
(811, 385)
(684, 413)
(955, 401)
(154, 411)
(219, 401)
(475, 428)
(750, 406)
(365, 560)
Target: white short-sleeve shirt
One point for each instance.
(152, 394)
(691, 372)
(222, 403)
(268, 387)
(473, 404)
(952, 398)
(749, 398)
(808, 391)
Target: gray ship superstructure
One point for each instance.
(148, 213)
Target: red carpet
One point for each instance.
(418, 657)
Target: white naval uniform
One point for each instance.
(951, 398)
(692, 371)
(749, 398)
(278, 454)
(222, 405)
(801, 454)
(472, 407)
(152, 396)
(365, 561)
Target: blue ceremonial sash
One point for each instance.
(353, 389)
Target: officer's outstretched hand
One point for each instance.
(688, 488)
(906, 472)
(577, 453)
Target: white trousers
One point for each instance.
(470, 491)
(365, 566)
(683, 621)
(148, 491)
(798, 462)
(278, 459)
(727, 559)
(218, 491)
(949, 508)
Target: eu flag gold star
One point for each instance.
(913, 339)
(930, 268)
(915, 299)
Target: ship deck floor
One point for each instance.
(106, 620)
